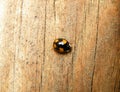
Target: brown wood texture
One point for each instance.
(28, 62)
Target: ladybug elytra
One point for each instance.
(61, 46)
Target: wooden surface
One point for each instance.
(28, 62)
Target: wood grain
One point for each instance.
(28, 62)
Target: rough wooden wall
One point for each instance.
(28, 62)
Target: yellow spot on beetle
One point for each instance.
(54, 46)
(56, 40)
(64, 41)
(61, 50)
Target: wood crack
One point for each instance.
(117, 83)
(42, 67)
(95, 46)
(73, 54)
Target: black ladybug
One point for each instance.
(61, 46)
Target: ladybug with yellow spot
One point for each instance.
(61, 46)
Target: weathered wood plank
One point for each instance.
(28, 62)
(107, 62)
(7, 46)
(30, 46)
(85, 47)
(60, 22)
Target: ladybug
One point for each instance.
(61, 46)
